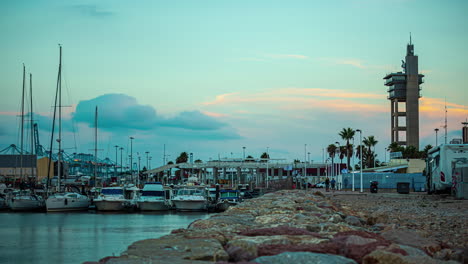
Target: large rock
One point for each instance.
(384, 257)
(178, 247)
(411, 238)
(304, 258)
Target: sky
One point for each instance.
(211, 77)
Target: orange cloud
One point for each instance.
(213, 114)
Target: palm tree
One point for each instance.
(370, 142)
(331, 150)
(183, 157)
(347, 134)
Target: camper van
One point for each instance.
(441, 162)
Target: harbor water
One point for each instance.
(81, 236)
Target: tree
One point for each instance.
(249, 159)
(198, 161)
(370, 142)
(348, 134)
(183, 157)
(331, 150)
(264, 157)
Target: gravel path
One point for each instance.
(433, 216)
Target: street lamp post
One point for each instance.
(121, 164)
(385, 156)
(131, 157)
(147, 160)
(360, 153)
(436, 130)
(338, 166)
(305, 166)
(353, 164)
(243, 151)
(267, 173)
(115, 166)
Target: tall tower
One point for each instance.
(403, 93)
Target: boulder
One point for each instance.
(304, 258)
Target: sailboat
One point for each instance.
(24, 200)
(63, 201)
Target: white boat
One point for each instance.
(191, 199)
(154, 197)
(110, 199)
(25, 201)
(69, 201)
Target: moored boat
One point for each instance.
(25, 201)
(155, 197)
(191, 199)
(110, 199)
(69, 201)
(227, 198)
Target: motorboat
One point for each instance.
(69, 201)
(25, 200)
(155, 197)
(110, 199)
(227, 198)
(191, 199)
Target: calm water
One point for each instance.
(78, 237)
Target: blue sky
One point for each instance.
(210, 77)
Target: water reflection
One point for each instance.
(80, 236)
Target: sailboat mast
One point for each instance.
(22, 124)
(53, 126)
(95, 145)
(31, 125)
(59, 140)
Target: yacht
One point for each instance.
(110, 199)
(191, 199)
(69, 201)
(25, 200)
(155, 197)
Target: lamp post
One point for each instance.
(147, 160)
(149, 163)
(115, 166)
(131, 157)
(385, 156)
(305, 165)
(267, 173)
(360, 152)
(121, 164)
(436, 130)
(338, 167)
(353, 164)
(243, 152)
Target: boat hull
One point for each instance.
(153, 206)
(188, 205)
(26, 205)
(110, 205)
(60, 204)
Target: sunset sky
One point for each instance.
(210, 77)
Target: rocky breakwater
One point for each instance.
(288, 227)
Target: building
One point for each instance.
(15, 167)
(404, 93)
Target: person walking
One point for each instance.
(333, 183)
(327, 184)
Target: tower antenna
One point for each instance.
(410, 38)
(445, 126)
